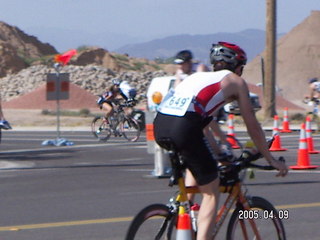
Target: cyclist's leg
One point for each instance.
(108, 108)
(190, 181)
(208, 209)
(199, 159)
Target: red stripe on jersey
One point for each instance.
(205, 95)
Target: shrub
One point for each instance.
(84, 112)
(45, 112)
(298, 117)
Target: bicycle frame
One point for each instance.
(235, 196)
(247, 219)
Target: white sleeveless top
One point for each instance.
(317, 86)
(200, 92)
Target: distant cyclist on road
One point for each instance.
(120, 90)
(314, 87)
(188, 108)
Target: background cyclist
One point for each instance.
(110, 98)
(314, 86)
(203, 93)
(120, 90)
(312, 99)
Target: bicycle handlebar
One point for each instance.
(307, 100)
(246, 162)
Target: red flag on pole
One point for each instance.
(65, 57)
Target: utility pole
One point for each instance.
(269, 96)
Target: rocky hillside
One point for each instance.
(93, 78)
(298, 59)
(114, 61)
(18, 49)
(25, 61)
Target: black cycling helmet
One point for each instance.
(312, 80)
(183, 56)
(229, 53)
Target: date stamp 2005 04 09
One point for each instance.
(263, 214)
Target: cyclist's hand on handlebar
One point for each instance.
(281, 166)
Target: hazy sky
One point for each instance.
(141, 20)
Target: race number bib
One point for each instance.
(175, 104)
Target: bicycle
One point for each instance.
(119, 124)
(253, 217)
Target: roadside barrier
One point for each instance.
(162, 166)
(285, 122)
(303, 161)
(311, 149)
(230, 132)
(276, 145)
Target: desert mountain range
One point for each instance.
(298, 58)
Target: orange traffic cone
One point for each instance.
(230, 132)
(276, 144)
(183, 226)
(303, 161)
(285, 123)
(311, 149)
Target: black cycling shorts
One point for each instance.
(187, 135)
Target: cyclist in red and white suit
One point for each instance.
(185, 111)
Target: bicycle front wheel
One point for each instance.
(130, 129)
(265, 217)
(153, 222)
(100, 128)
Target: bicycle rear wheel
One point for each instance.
(100, 128)
(265, 217)
(130, 129)
(153, 222)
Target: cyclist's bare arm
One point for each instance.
(214, 125)
(312, 93)
(210, 137)
(236, 87)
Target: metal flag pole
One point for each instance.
(58, 88)
(57, 79)
(57, 68)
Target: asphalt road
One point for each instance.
(91, 190)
